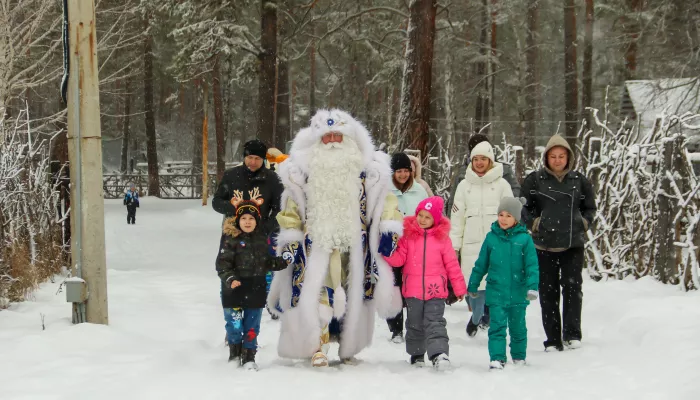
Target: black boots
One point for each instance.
(234, 352)
(248, 359)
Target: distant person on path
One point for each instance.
(409, 193)
(245, 258)
(429, 262)
(509, 258)
(131, 201)
(560, 208)
(473, 212)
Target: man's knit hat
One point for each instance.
(434, 206)
(255, 147)
(513, 206)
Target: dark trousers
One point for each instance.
(130, 215)
(561, 276)
(396, 323)
(426, 327)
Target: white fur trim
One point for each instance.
(325, 314)
(389, 226)
(340, 300)
(287, 236)
(300, 332)
(397, 299)
(280, 291)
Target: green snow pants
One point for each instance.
(512, 319)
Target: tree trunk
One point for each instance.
(151, 150)
(481, 113)
(494, 57)
(414, 115)
(268, 72)
(532, 79)
(587, 95)
(219, 121)
(205, 144)
(570, 74)
(126, 135)
(197, 139)
(312, 78)
(282, 132)
(632, 28)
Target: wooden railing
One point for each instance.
(172, 186)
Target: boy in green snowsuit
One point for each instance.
(509, 258)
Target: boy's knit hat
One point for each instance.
(513, 206)
(434, 206)
(250, 208)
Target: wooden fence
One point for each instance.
(172, 186)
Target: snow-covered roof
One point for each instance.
(648, 99)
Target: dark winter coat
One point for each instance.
(508, 175)
(242, 179)
(247, 258)
(131, 199)
(558, 212)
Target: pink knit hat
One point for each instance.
(434, 206)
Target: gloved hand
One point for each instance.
(387, 244)
(473, 295)
(532, 294)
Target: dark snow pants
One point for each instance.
(396, 323)
(130, 214)
(426, 328)
(561, 276)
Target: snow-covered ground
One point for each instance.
(165, 338)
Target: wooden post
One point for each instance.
(205, 145)
(85, 154)
(519, 164)
(664, 232)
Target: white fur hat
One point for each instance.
(483, 149)
(325, 121)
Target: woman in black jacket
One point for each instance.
(560, 208)
(243, 261)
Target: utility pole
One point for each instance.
(85, 154)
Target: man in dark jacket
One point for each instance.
(560, 208)
(253, 181)
(508, 173)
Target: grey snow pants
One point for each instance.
(426, 328)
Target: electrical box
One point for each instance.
(76, 290)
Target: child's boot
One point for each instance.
(441, 362)
(497, 365)
(418, 361)
(248, 359)
(472, 328)
(234, 352)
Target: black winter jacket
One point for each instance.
(558, 213)
(246, 258)
(242, 179)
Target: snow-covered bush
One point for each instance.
(30, 234)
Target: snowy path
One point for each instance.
(165, 338)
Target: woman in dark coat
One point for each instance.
(560, 208)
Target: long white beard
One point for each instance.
(333, 219)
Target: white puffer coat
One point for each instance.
(474, 209)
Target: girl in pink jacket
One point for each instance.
(429, 261)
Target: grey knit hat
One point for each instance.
(512, 205)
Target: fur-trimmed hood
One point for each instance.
(412, 230)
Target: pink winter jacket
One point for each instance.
(428, 261)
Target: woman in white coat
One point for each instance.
(474, 209)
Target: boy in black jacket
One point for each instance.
(245, 258)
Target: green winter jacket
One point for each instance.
(510, 260)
